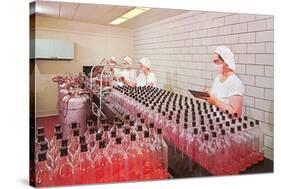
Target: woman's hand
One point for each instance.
(211, 100)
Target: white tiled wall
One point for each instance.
(181, 49)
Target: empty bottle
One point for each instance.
(44, 174)
(102, 165)
(119, 160)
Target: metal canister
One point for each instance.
(75, 109)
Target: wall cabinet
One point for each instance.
(51, 49)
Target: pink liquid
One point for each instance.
(43, 175)
(102, 170)
(64, 174)
(119, 169)
(84, 172)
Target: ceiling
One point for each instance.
(101, 14)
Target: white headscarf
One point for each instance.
(227, 56)
(128, 60)
(146, 62)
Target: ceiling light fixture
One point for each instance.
(129, 15)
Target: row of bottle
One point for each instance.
(237, 142)
(100, 156)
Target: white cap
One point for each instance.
(113, 58)
(128, 60)
(146, 62)
(227, 56)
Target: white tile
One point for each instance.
(268, 117)
(266, 82)
(233, 19)
(218, 22)
(268, 153)
(264, 36)
(240, 28)
(212, 31)
(261, 16)
(230, 39)
(269, 47)
(269, 24)
(255, 113)
(247, 37)
(266, 128)
(246, 17)
(249, 101)
(257, 25)
(247, 79)
(256, 48)
(225, 30)
(240, 69)
(264, 59)
(269, 71)
(255, 91)
(239, 48)
(247, 58)
(255, 70)
(266, 105)
(268, 141)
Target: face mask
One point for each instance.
(218, 68)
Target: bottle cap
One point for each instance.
(40, 130)
(257, 122)
(41, 137)
(58, 135)
(159, 131)
(42, 156)
(119, 125)
(206, 137)
(84, 147)
(133, 136)
(58, 127)
(82, 139)
(127, 117)
(118, 140)
(101, 144)
(73, 125)
(90, 122)
(195, 131)
(44, 146)
(127, 130)
(146, 134)
(92, 130)
(139, 127)
(64, 142)
(75, 132)
(63, 151)
(98, 136)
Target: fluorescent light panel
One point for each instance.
(129, 15)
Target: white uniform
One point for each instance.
(143, 79)
(129, 75)
(230, 87)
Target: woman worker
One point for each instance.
(227, 89)
(146, 76)
(127, 73)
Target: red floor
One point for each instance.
(49, 124)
